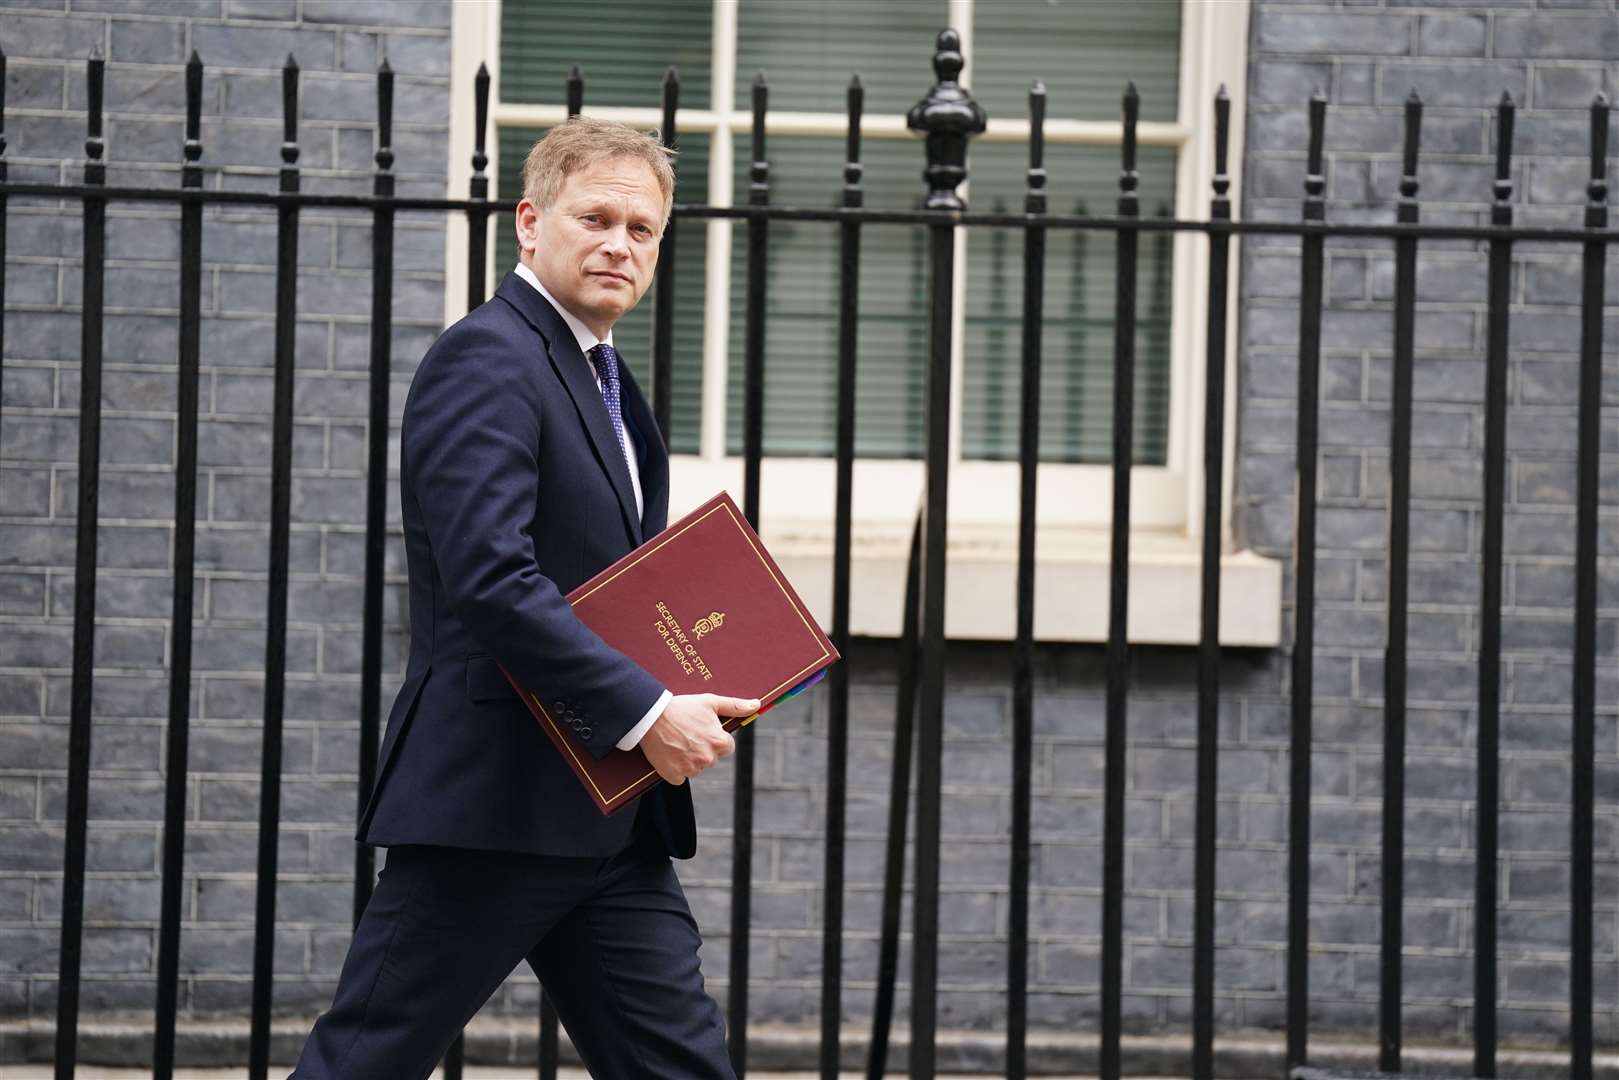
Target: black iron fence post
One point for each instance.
(1034, 283)
(478, 195)
(1208, 653)
(1399, 583)
(84, 581)
(1582, 883)
(275, 647)
(837, 723)
(1118, 641)
(948, 116)
(1486, 884)
(376, 476)
(753, 414)
(185, 533)
(1302, 690)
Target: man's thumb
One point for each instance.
(737, 706)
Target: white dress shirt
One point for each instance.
(588, 340)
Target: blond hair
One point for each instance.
(580, 142)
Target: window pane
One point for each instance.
(1076, 399)
(802, 305)
(808, 51)
(624, 46)
(1085, 51)
(633, 334)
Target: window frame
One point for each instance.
(1074, 499)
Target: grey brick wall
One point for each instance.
(1553, 58)
(1366, 56)
(338, 45)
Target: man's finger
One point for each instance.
(729, 746)
(730, 706)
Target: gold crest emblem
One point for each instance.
(709, 623)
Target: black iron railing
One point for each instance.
(947, 118)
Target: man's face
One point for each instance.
(595, 248)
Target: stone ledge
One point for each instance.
(774, 1048)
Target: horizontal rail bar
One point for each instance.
(835, 125)
(864, 215)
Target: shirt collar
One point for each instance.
(582, 334)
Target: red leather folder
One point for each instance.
(704, 608)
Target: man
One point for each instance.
(528, 462)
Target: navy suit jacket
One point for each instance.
(514, 491)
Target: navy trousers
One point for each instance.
(612, 940)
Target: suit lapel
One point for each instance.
(574, 372)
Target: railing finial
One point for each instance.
(1222, 145)
(96, 71)
(480, 130)
(193, 141)
(1129, 179)
(948, 116)
(1315, 179)
(1597, 190)
(573, 88)
(385, 116)
(2, 107)
(853, 170)
(1034, 196)
(1505, 115)
(289, 113)
(1413, 143)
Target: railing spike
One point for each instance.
(573, 90)
(193, 144)
(385, 116)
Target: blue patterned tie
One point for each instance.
(605, 357)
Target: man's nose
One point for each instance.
(617, 242)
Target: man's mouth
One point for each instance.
(611, 274)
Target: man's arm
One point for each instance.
(469, 442)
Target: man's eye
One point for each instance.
(594, 219)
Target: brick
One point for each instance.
(376, 13)
(1566, 87)
(418, 53)
(1377, 35)
(33, 86)
(53, 37)
(207, 951)
(275, 10)
(1557, 37)
(1452, 35)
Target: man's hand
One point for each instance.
(687, 737)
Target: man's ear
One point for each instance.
(527, 225)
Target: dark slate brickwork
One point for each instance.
(242, 43)
(1460, 57)
(1366, 56)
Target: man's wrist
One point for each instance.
(632, 738)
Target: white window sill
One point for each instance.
(1071, 550)
(1071, 583)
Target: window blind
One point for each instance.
(1076, 398)
(802, 305)
(624, 47)
(1085, 51)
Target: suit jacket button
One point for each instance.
(560, 706)
(584, 733)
